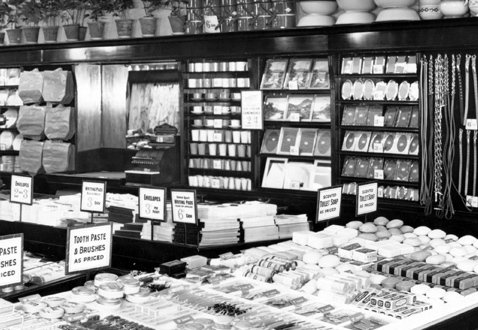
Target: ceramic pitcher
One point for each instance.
(454, 8)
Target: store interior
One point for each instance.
(256, 126)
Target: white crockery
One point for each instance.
(319, 7)
(355, 5)
(395, 3)
(316, 20)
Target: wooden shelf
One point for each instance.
(312, 124)
(299, 158)
(9, 152)
(204, 171)
(220, 157)
(344, 179)
(384, 102)
(381, 129)
(379, 76)
(378, 155)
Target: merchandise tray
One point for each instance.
(314, 124)
(378, 102)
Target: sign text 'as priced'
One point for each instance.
(11, 260)
(329, 203)
(367, 198)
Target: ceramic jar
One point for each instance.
(454, 8)
(430, 9)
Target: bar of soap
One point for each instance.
(332, 229)
(354, 224)
(437, 241)
(442, 249)
(396, 223)
(410, 235)
(422, 231)
(368, 228)
(300, 237)
(195, 261)
(420, 289)
(420, 255)
(424, 239)
(436, 233)
(320, 241)
(329, 261)
(451, 237)
(381, 234)
(389, 283)
(406, 229)
(457, 251)
(435, 260)
(404, 285)
(381, 221)
(368, 236)
(412, 241)
(397, 238)
(466, 265)
(467, 240)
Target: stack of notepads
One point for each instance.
(288, 224)
(257, 221)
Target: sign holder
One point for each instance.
(89, 227)
(329, 198)
(178, 209)
(146, 208)
(21, 191)
(372, 196)
(3, 240)
(92, 204)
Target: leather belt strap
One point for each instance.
(467, 168)
(475, 163)
(475, 83)
(460, 163)
(467, 89)
(460, 85)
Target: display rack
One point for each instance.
(378, 123)
(219, 152)
(297, 123)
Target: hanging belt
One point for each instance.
(460, 84)
(475, 83)
(460, 163)
(467, 168)
(475, 163)
(467, 89)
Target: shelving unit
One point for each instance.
(371, 100)
(298, 110)
(218, 151)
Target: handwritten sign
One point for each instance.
(329, 202)
(21, 191)
(252, 110)
(184, 206)
(152, 203)
(11, 260)
(89, 248)
(367, 198)
(93, 196)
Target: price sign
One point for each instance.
(378, 147)
(11, 260)
(252, 115)
(367, 198)
(93, 196)
(378, 121)
(472, 124)
(378, 174)
(184, 206)
(293, 85)
(21, 191)
(329, 203)
(294, 117)
(89, 248)
(152, 203)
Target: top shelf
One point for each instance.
(297, 91)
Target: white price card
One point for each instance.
(472, 124)
(367, 198)
(329, 203)
(93, 196)
(378, 147)
(252, 115)
(21, 191)
(152, 203)
(378, 174)
(11, 260)
(89, 248)
(378, 121)
(184, 206)
(293, 85)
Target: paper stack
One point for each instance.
(289, 224)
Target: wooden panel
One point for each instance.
(114, 86)
(88, 81)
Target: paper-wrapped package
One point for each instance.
(60, 123)
(31, 121)
(31, 156)
(31, 87)
(58, 157)
(58, 86)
